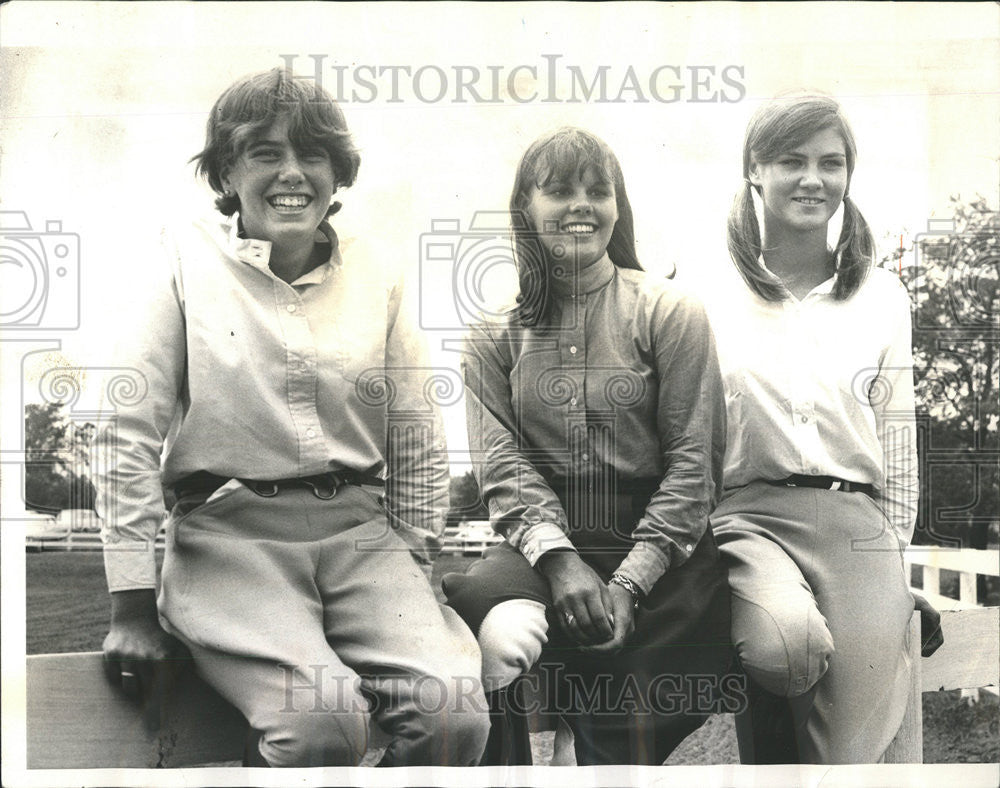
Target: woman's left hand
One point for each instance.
(623, 610)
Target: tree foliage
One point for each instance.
(466, 502)
(57, 455)
(954, 284)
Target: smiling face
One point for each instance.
(803, 186)
(284, 193)
(574, 215)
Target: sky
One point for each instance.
(103, 104)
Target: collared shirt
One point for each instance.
(627, 379)
(823, 387)
(246, 376)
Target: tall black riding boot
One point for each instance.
(765, 730)
(251, 750)
(509, 743)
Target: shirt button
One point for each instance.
(689, 548)
(585, 456)
(805, 419)
(290, 307)
(572, 400)
(814, 471)
(310, 433)
(573, 350)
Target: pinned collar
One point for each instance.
(257, 253)
(570, 282)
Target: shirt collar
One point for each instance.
(823, 288)
(257, 253)
(593, 277)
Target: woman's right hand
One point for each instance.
(139, 656)
(582, 601)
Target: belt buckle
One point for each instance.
(321, 492)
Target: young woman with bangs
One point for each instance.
(298, 550)
(596, 425)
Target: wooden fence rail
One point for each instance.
(969, 564)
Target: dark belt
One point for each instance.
(323, 485)
(824, 483)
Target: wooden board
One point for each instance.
(970, 656)
(77, 719)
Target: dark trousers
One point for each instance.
(636, 706)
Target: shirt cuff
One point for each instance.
(130, 565)
(540, 539)
(644, 565)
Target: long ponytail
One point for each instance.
(855, 252)
(744, 241)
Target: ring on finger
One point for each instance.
(130, 684)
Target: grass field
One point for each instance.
(68, 608)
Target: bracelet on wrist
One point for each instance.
(628, 585)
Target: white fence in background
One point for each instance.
(969, 564)
(463, 540)
(81, 541)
